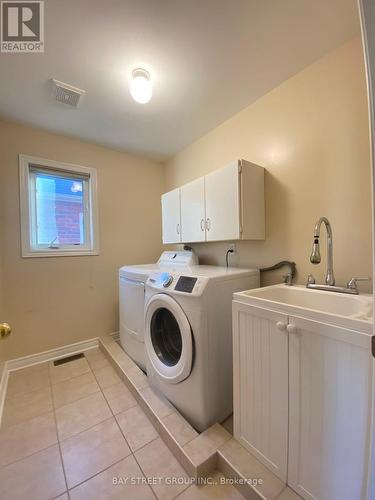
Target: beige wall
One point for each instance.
(55, 301)
(2, 312)
(311, 134)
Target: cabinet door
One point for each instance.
(170, 205)
(330, 394)
(223, 204)
(260, 364)
(192, 211)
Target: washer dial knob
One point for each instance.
(167, 280)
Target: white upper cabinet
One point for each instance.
(193, 211)
(171, 216)
(252, 206)
(223, 210)
(227, 204)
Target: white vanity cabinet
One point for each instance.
(171, 216)
(260, 376)
(302, 400)
(227, 204)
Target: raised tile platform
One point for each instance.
(199, 454)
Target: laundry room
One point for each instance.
(186, 250)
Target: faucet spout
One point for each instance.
(315, 254)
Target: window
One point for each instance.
(58, 208)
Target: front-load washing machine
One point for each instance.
(188, 338)
(132, 280)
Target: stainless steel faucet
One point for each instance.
(315, 257)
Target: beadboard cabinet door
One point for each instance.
(260, 362)
(171, 217)
(329, 422)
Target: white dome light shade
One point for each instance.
(141, 86)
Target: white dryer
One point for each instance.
(188, 338)
(132, 280)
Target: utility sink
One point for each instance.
(350, 311)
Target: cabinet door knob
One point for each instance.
(208, 223)
(202, 224)
(178, 228)
(292, 328)
(281, 325)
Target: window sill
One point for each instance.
(59, 253)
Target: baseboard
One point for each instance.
(3, 388)
(58, 352)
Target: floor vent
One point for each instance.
(62, 361)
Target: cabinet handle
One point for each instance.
(292, 328)
(202, 224)
(208, 223)
(281, 325)
(178, 228)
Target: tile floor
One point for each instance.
(75, 431)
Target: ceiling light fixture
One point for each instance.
(141, 86)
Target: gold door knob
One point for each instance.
(5, 330)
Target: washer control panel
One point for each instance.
(181, 284)
(185, 284)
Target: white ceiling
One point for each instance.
(209, 59)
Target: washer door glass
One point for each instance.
(168, 339)
(166, 336)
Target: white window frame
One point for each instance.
(27, 167)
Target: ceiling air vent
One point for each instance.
(66, 93)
